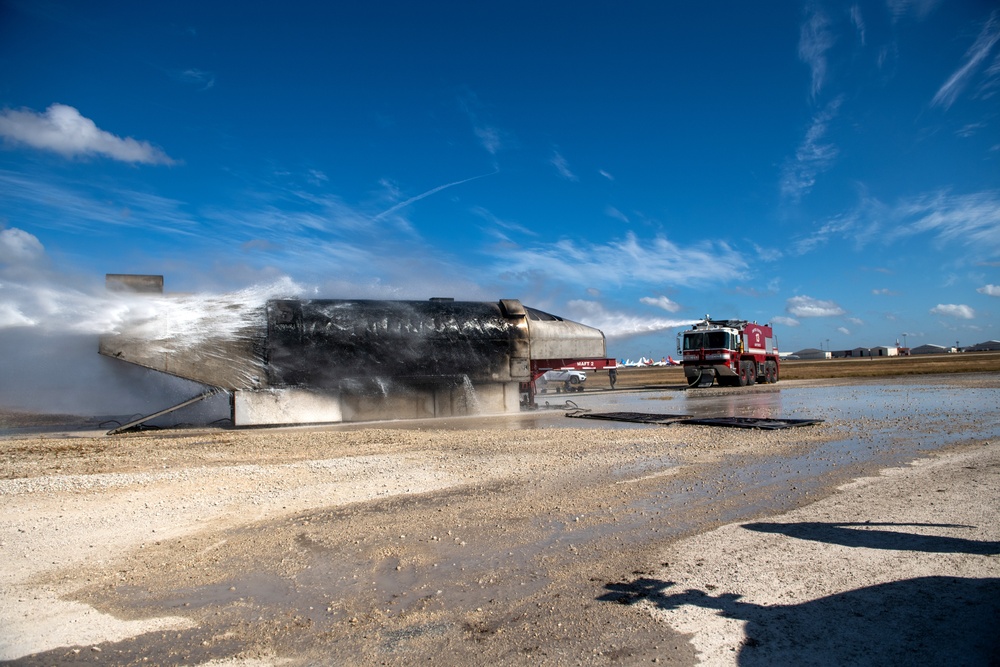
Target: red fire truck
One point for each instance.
(736, 352)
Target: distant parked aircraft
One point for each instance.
(643, 362)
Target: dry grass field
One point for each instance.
(798, 369)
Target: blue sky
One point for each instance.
(828, 167)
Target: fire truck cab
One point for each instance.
(736, 352)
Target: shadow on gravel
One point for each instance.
(848, 535)
(927, 620)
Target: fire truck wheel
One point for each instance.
(751, 373)
(744, 375)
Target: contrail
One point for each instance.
(439, 188)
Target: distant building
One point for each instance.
(988, 346)
(931, 349)
(812, 353)
(880, 351)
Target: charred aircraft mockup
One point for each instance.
(294, 361)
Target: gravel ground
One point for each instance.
(476, 544)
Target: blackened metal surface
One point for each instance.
(637, 417)
(752, 422)
(323, 343)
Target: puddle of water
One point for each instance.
(488, 565)
(837, 402)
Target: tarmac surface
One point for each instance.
(870, 538)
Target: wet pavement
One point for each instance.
(402, 579)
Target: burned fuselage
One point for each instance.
(290, 361)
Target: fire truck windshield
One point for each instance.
(696, 340)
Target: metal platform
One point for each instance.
(732, 422)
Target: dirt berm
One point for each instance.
(871, 538)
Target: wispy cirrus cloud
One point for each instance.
(562, 166)
(62, 129)
(980, 50)
(55, 204)
(489, 136)
(919, 8)
(969, 219)
(614, 213)
(859, 23)
(814, 155)
(815, 39)
(631, 261)
(498, 223)
(201, 79)
(836, 227)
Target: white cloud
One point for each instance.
(18, 247)
(989, 290)
(69, 207)
(838, 226)
(855, 321)
(806, 306)
(63, 130)
(196, 77)
(815, 39)
(971, 219)
(785, 321)
(489, 137)
(883, 292)
(844, 330)
(562, 166)
(954, 310)
(613, 212)
(655, 261)
(605, 174)
(919, 8)
(859, 22)
(976, 54)
(316, 177)
(970, 129)
(498, 223)
(661, 302)
(813, 156)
